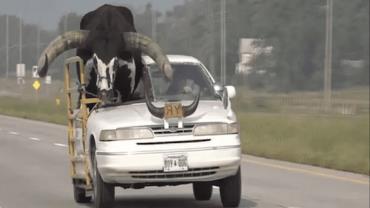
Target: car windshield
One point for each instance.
(188, 78)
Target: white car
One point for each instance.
(131, 148)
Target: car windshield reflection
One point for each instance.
(187, 80)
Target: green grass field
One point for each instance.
(336, 142)
(42, 110)
(327, 140)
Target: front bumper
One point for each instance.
(207, 161)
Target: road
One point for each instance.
(34, 172)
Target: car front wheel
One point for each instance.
(230, 190)
(202, 191)
(103, 192)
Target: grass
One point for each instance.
(328, 140)
(42, 110)
(336, 142)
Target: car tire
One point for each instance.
(202, 191)
(230, 190)
(80, 195)
(103, 192)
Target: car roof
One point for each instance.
(174, 59)
(181, 59)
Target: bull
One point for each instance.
(110, 47)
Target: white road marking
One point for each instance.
(13, 133)
(60, 145)
(34, 139)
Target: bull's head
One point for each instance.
(106, 74)
(106, 70)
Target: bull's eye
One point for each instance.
(95, 62)
(115, 64)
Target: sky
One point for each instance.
(48, 12)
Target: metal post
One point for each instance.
(65, 27)
(37, 43)
(328, 55)
(223, 40)
(7, 46)
(154, 25)
(20, 39)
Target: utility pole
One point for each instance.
(37, 42)
(328, 55)
(223, 40)
(65, 27)
(7, 46)
(154, 25)
(212, 40)
(20, 40)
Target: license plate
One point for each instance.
(175, 163)
(173, 110)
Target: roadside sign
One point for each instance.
(36, 85)
(21, 70)
(34, 72)
(48, 79)
(20, 81)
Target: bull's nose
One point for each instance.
(106, 96)
(103, 94)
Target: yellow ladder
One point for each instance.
(78, 119)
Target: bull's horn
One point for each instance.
(190, 109)
(66, 41)
(137, 41)
(155, 111)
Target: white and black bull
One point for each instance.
(109, 45)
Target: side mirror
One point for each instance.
(218, 88)
(231, 92)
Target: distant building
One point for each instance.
(249, 49)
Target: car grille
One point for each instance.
(174, 142)
(173, 130)
(193, 172)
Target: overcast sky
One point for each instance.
(48, 12)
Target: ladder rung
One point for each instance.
(78, 159)
(78, 176)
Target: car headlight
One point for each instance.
(126, 134)
(216, 129)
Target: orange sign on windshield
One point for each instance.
(173, 110)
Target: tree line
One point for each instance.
(295, 29)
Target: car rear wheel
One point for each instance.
(80, 194)
(202, 191)
(230, 190)
(103, 192)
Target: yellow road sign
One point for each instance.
(57, 101)
(36, 85)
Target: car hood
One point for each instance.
(138, 115)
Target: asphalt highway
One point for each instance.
(34, 173)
